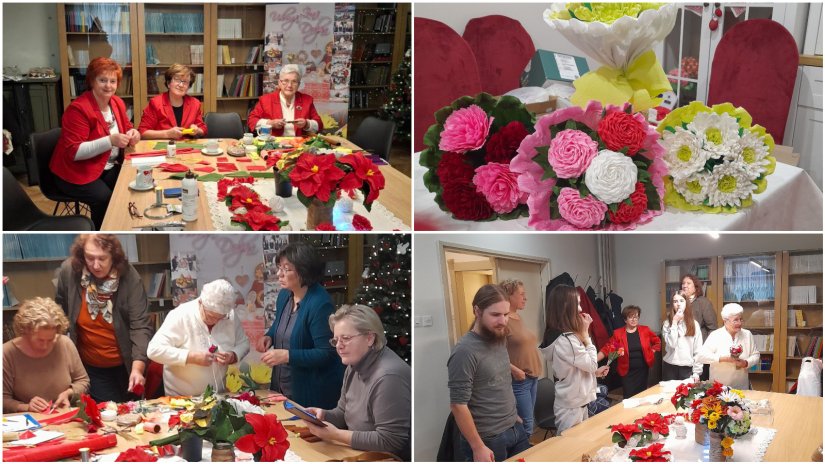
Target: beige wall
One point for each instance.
(30, 35)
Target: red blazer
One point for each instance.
(650, 344)
(83, 122)
(597, 330)
(160, 116)
(269, 107)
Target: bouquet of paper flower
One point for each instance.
(686, 393)
(249, 377)
(591, 168)
(246, 206)
(614, 351)
(724, 413)
(620, 36)
(468, 155)
(736, 351)
(653, 453)
(716, 158)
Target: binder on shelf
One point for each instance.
(792, 345)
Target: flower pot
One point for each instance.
(715, 448)
(191, 448)
(318, 213)
(283, 187)
(223, 451)
(701, 434)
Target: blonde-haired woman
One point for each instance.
(41, 366)
(373, 411)
(525, 359)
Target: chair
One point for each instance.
(154, 387)
(375, 136)
(543, 411)
(20, 212)
(502, 48)
(755, 67)
(42, 144)
(445, 72)
(224, 126)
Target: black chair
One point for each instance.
(543, 411)
(20, 212)
(42, 145)
(375, 136)
(224, 126)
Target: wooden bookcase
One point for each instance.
(672, 272)
(343, 256)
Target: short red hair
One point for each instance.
(99, 66)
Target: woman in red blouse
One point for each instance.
(96, 129)
(639, 344)
(287, 111)
(169, 113)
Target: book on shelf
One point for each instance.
(197, 85)
(377, 75)
(252, 55)
(230, 28)
(792, 345)
(800, 318)
(221, 89)
(43, 246)
(156, 286)
(8, 297)
(224, 56)
(173, 23)
(70, 55)
(196, 54)
(806, 264)
(384, 22)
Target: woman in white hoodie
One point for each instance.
(682, 341)
(572, 356)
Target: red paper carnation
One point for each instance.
(361, 223)
(631, 213)
(213, 348)
(325, 226)
(137, 389)
(619, 130)
(502, 146)
(462, 199)
(453, 169)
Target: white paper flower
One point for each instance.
(719, 134)
(693, 187)
(729, 185)
(611, 176)
(683, 153)
(730, 397)
(244, 406)
(753, 154)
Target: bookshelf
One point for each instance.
(800, 313)
(673, 270)
(343, 257)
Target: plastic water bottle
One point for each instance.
(189, 197)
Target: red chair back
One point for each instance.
(502, 48)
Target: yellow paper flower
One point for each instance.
(233, 382)
(741, 395)
(186, 417)
(727, 452)
(202, 422)
(233, 369)
(727, 442)
(582, 13)
(711, 424)
(328, 121)
(260, 373)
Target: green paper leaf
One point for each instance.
(211, 177)
(614, 207)
(237, 174)
(262, 174)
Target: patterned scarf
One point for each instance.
(99, 296)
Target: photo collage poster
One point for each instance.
(318, 38)
(273, 244)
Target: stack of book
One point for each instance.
(224, 57)
(242, 85)
(197, 85)
(196, 54)
(230, 28)
(253, 55)
(37, 246)
(174, 23)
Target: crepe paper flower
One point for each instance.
(260, 373)
(268, 442)
(611, 176)
(316, 176)
(652, 453)
(718, 132)
(465, 130)
(629, 213)
(325, 226)
(465, 202)
(753, 153)
(499, 186)
(654, 422)
(135, 454)
(259, 219)
(137, 389)
(233, 382)
(249, 397)
(503, 145)
(360, 223)
(571, 152)
(683, 153)
(729, 185)
(453, 168)
(225, 184)
(582, 212)
(695, 187)
(213, 349)
(242, 196)
(736, 413)
(619, 130)
(89, 412)
(364, 171)
(123, 408)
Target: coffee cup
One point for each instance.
(144, 179)
(247, 138)
(264, 132)
(212, 146)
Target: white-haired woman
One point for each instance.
(286, 110)
(184, 343)
(373, 412)
(731, 370)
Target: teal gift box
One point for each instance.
(547, 68)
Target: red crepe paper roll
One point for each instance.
(257, 168)
(151, 427)
(55, 452)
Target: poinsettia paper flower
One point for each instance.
(655, 423)
(363, 171)
(626, 430)
(326, 226)
(316, 175)
(269, 438)
(89, 413)
(465, 130)
(136, 454)
(258, 219)
(243, 196)
(225, 184)
(653, 453)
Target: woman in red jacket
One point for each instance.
(96, 129)
(168, 114)
(288, 112)
(639, 344)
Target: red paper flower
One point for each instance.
(243, 196)
(89, 413)
(465, 202)
(269, 438)
(715, 389)
(619, 130)
(653, 453)
(122, 409)
(363, 170)
(452, 168)
(654, 423)
(213, 348)
(258, 219)
(137, 389)
(325, 226)
(361, 223)
(135, 455)
(316, 175)
(631, 213)
(626, 430)
(174, 420)
(502, 146)
(249, 397)
(227, 182)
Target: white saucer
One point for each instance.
(140, 189)
(264, 138)
(210, 153)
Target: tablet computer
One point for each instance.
(303, 413)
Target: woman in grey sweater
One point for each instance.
(374, 410)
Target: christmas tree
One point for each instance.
(385, 287)
(397, 107)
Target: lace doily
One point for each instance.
(296, 213)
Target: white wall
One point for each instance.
(573, 253)
(30, 35)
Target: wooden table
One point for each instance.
(318, 452)
(797, 420)
(396, 196)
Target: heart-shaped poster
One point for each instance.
(242, 280)
(315, 53)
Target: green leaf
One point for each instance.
(442, 114)
(237, 174)
(304, 199)
(542, 160)
(518, 212)
(432, 136)
(262, 174)
(211, 177)
(583, 190)
(614, 207)
(570, 124)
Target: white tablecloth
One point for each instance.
(792, 201)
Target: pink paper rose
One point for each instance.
(584, 212)
(465, 130)
(499, 186)
(736, 413)
(570, 153)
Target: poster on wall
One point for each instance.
(317, 38)
(184, 277)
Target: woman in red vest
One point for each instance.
(639, 343)
(96, 129)
(169, 113)
(288, 112)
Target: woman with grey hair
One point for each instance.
(730, 350)
(373, 412)
(288, 112)
(198, 340)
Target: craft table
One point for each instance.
(792, 201)
(395, 196)
(797, 420)
(318, 452)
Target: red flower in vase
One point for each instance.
(316, 175)
(715, 389)
(655, 423)
(269, 438)
(652, 453)
(325, 226)
(361, 223)
(626, 430)
(243, 196)
(363, 170)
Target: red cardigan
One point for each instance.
(159, 114)
(269, 107)
(650, 343)
(83, 122)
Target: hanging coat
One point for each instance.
(601, 308)
(563, 278)
(615, 302)
(597, 331)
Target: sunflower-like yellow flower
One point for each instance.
(260, 373)
(233, 382)
(711, 424)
